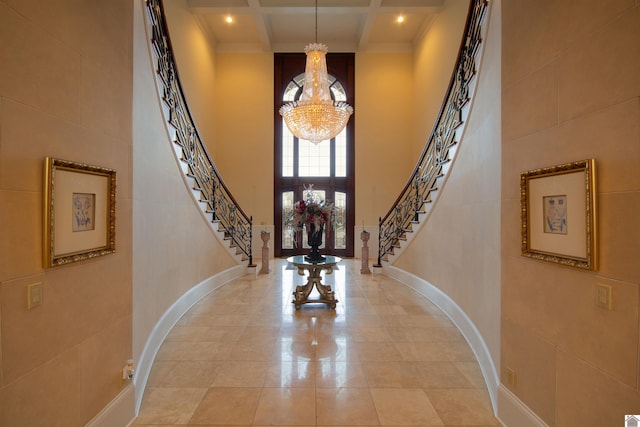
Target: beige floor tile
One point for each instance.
(385, 356)
(325, 334)
(237, 373)
(392, 309)
(378, 352)
(404, 407)
(289, 350)
(227, 406)
(441, 375)
(363, 320)
(424, 320)
(297, 332)
(345, 406)
(473, 373)
(260, 334)
(363, 334)
(192, 318)
(251, 351)
(431, 334)
(293, 374)
(341, 349)
(436, 351)
(176, 350)
(188, 333)
(173, 405)
(330, 374)
(229, 320)
(184, 373)
(224, 334)
(463, 406)
(391, 375)
(286, 407)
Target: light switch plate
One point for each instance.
(34, 295)
(603, 296)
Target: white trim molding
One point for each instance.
(513, 412)
(119, 412)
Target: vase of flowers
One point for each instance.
(312, 215)
(314, 239)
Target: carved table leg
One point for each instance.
(302, 291)
(301, 294)
(328, 296)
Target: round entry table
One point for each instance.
(301, 294)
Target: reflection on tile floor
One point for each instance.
(243, 356)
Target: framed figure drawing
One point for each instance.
(79, 211)
(559, 214)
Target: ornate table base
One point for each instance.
(302, 292)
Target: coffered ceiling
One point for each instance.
(289, 25)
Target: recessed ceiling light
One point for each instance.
(400, 19)
(229, 19)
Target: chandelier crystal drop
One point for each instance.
(315, 116)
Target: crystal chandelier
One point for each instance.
(315, 116)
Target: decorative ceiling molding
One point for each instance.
(288, 25)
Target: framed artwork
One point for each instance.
(559, 214)
(79, 211)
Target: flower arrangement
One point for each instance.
(311, 212)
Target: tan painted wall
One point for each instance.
(458, 248)
(65, 91)
(244, 135)
(174, 246)
(433, 55)
(383, 132)
(196, 56)
(571, 92)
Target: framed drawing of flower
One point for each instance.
(559, 214)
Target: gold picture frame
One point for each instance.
(559, 214)
(79, 211)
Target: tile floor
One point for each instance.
(243, 356)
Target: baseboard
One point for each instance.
(169, 319)
(462, 322)
(512, 412)
(119, 412)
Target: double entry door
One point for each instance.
(336, 238)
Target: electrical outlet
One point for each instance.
(34, 295)
(603, 296)
(511, 377)
(128, 371)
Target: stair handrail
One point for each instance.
(429, 169)
(225, 211)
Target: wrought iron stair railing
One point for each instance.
(197, 164)
(423, 183)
